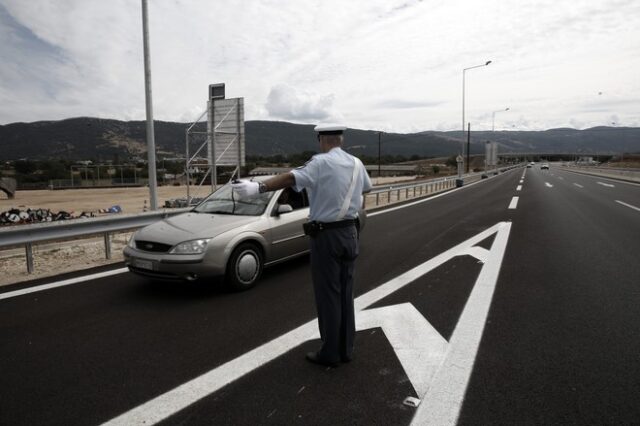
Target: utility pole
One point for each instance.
(379, 144)
(151, 144)
(468, 143)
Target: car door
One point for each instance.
(287, 236)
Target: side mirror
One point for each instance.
(284, 208)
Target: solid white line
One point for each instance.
(443, 402)
(628, 205)
(578, 185)
(608, 185)
(514, 203)
(70, 281)
(519, 188)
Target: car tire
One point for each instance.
(244, 267)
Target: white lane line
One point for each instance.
(70, 281)
(443, 402)
(452, 377)
(548, 185)
(608, 185)
(521, 180)
(519, 188)
(514, 203)
(628, 205)
(578, 185)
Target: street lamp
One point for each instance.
(463, 89)
(151, 144)
(493, 119)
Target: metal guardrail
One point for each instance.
(27, 235)
(412, 190)
(630, 174)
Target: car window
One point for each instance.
(297, 200)
(225, 201)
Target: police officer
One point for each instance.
(335, 182)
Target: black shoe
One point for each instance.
(314, 358)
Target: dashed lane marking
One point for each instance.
(519, 188)
(608, 185)
(514, 203)
(628, 205)
(578, 185)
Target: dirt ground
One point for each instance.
(131, 200)
(55, 258)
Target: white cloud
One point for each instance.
(393, 65)
(288, 103)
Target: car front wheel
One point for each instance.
(244, 267)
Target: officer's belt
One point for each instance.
(339, 224)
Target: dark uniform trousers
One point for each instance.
(333, 255)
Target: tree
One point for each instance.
(25, 167)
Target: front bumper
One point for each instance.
(170, 266)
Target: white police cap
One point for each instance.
(330, 129)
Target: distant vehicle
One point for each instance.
(224, 236)
(544, 166)
(530, 165)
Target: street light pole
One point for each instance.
(493, 120)
(379, 144)
(463, 95)
(151, 144)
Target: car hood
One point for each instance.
(191, 226)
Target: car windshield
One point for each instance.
(225, 201)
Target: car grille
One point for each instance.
(151, 246)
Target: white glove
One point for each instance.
(246, 188)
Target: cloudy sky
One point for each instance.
(392, 65)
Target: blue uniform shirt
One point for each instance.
(327, 178)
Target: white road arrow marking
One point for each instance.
(442, 403)
(418, 345)
(548, 185)
(608, 185)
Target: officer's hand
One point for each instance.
(246, 188)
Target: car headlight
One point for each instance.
(132, 241)
(190, 247)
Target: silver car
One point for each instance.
(224, 236)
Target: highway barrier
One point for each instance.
(29, 234)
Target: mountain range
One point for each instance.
(98, 139)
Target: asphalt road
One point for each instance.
(554, 337)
